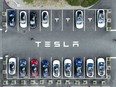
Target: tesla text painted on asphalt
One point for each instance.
(57, 44)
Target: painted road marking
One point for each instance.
(56, 19)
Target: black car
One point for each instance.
(33, 20)
(22, 67)
(12, 18)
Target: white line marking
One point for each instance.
(40, 69)
(18, 67)
(83, 68)
(29, 68)
(40, 20)
(62, 75)
(28, 19)
(62, 20)
(113, 57)
(51, 68)
(6, 68)
(95, 67)
(6, 21)
(56, 19)
(95, 20)
(84, 20)
(73, 68)
(18, 20)
(73, 21)
(51, 20)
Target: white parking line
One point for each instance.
(73, 21)
(29, 68)
(106, 18)
(40, 69)
(73, 68)
(28, 19)
(83, 68)
(51, 20)
(6, 68)
(84, 20)
(95, 20)
(62, 68)
(18, 67)
(1, 29)
(7, 20)
(40, 20)
(95, 68)
(62, 20)
(18, 20)
(51, 68)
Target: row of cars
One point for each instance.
(23, 19)
(67, 67)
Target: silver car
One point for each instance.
(56, 68)
(12, 66)
(45, 19)
(67, 68)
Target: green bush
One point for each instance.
(87, 3)
(29, 1)
(74, 2)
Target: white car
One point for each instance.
(12, 66)
(90, 67)
(79, 19)
(45, 19)
(23, 19)
(101, 66)
(101, 18)
(67, 68)
(56, 68)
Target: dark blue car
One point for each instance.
(45, 68)
(12, 18)
(22, 67)
(78, 67)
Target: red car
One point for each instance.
(34, 67)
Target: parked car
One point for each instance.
(56, 68)
(79, 19)
(45, 68)
(101, 18)
(67, 67)
(90, 67)
(22, 67)
(23, 19)
(33, 20)
(12, 66)
(78, 67)
(34, 67)
(12, 18)
(45, 19)
(101, 66)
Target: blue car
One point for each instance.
(22, 67)
(12, 18)
(78, 67)
(45, 68)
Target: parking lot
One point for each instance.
(61, 20)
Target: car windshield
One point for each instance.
(32, 19)
(45, 17)
(68, 66)
(23, 69)
(101, 18)
(12, 66)
(56, 67)
(34, 68)
(90, 69)
(101, 66)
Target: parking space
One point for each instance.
(68, 21)
(23, 21)
(46, 24)
(102, 28)
(76, 25)
(90, 20)
(57, 20)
